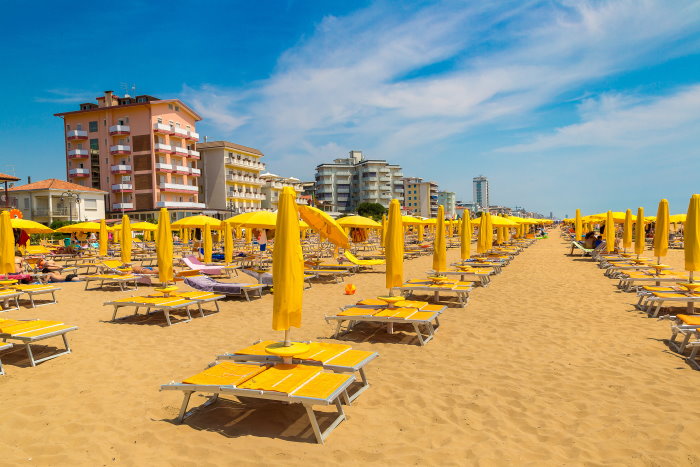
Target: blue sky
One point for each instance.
(562, 104)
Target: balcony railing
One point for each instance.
(181, 151)
(122, 187)
(180, 132)
(78, 153)
(245, 180)
(244, 195)
(178, 187)
(79, 172)
(55, 212)
(181, 169)
(180, 204)
(164, 167)
(193, 135)
(194, 154)
(246, 163)
(77, 134)
(120, 149)
(195, 172)
(163, 148)
(122, 206)
(119, 130)
(120, 168)
(162, 128)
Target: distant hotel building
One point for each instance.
(140, 150)
(420, 198)
(232, 179)
(272, 189)
(342, 185)
(481, 192)
(447, 199)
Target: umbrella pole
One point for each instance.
(287, 338)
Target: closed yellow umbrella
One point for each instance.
(228, 243)
(481, 238)
(239, 232)
(466, 236)
(578, 227)
(248, 235)
(7, 245)
(501, 235)
(489, 231)
(103, 238)
(661, 231)
(639, 237)
(394, 246)
(185, 235)
(610, 232)
(627, 233)
(421, 232)
(164, 248)
(439, 243)
(287, 267)
(207, 243)
(126, 239)
(383, 229)
(691, 236)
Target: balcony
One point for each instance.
(78, 153)
(119, 130)
(120, 149)
(195, 172)
(193, 135)
(178, 187)
(122, 206)
(246, 195)
(181, 151)
(302, 201)
(181, 169)
(55, 212)
(120, 169)
(79, 172)
(180, 132)
(122, 187)
(248, 164)
(76, 134)
(162, 129)
(163, 148)
(194, 154)
(385, 179)
(161, 167)
(180, 204)
(245, 180)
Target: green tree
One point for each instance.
(372, 210)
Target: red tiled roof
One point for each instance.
(54, 184)
(7, 178)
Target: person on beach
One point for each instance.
(589, 241)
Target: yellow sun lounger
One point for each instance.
(164, 304)
(199, 297)
(291, 383)
(336, 274)
(30, 332)
(339, 358)
(3, 346)
(459, 288)
(6, 296)
(119, 280)
(656, 300)
(38, 289)
(482, 274)
(363, 262)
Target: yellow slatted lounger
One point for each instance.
(291, 383)
(365, 263)
(6, 297)
(459, 288)
(31, 332)
(339, 358)
(119, 280)
(200, 297)
(164, 304)
(33, 290)
(338, 275)
(3, 346)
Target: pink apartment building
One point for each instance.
(140, 150)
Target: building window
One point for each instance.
(177, 108)
(94, 144)
(92, 126)
(70, 146)
(91, 205)
(141, 99)
(170, 106)
(26, 203)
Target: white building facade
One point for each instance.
(481, 191)
(272, 189)
(448, 200)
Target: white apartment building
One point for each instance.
(347, 182)
(420, 198)
(231, 177)
(481, 191)
(448, 200)
(273, 186)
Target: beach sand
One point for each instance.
(548, 365)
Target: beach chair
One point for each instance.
(482, 275)
(685, 325)
(265, 278)
(32, 290)
(656, 300)
(164, 304)
(3, 346)
(200, 297)
(112, 280)
(630, 280)
(575, 245)
(308, 385)
(207, 284)
(458, 288)
(337, 275)
(193, 263)
(365, 263)
(31, 332)
(7, 296)
(338, 358)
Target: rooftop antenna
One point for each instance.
(126, 87)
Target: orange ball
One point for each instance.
(350, 289)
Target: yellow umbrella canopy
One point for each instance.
(207, 243)
(677, 218)
(639, 234)
(197, 222)
(80, 227)
(627, 233)
(144, 227)
(28, 226)
(103, 238)
(410, 220)
(324, 224)
(691, 236)
(661, 231)
(578, 225)
(439, 243)
(466, 236)
(260, 219)
(610, 233)
(7, 245)
(287, 266)
(164, 247)
(126, 239)
(228, 243)
(359, 222)
(394, 247)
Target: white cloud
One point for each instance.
(65, 96)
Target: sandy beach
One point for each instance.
(548, 365)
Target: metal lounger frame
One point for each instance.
(8, 297)
(352, 321)
(164, 308)
(27, 341)
(31, 294)
(407, 291)
(4, 346)
(120, 282)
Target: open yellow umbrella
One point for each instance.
(578, 226)
(287, 267)
(126, 239)
(677, 218)
(255, 219)
(7, 245)
(359, 222)
(639, 234)
(691, 236)
(207, 243)
(164, 247)
(325, 225)
(661, 231)
(197, 222)
(228, 243)
(439, 243)
(30, 227)
(103, 238)
(627, 232)
(394, 247)
(80, 227)
(410, 220)
(465, 236)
